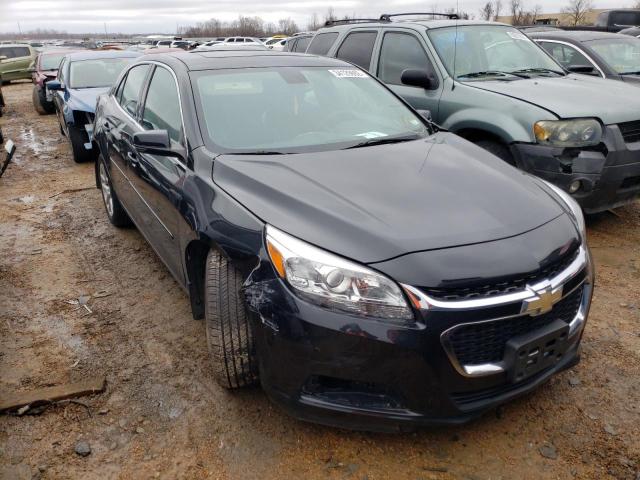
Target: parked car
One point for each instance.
(298, 43)
(46, 69)
(82, 76)
(611, 21)
(632, 31)
(606, 55)
(278, 45)
(370, 271)
(229, 47)
(16, 61)
(504, 93)
(241, 40)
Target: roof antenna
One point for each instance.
(455, 47)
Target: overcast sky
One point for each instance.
(162, 16)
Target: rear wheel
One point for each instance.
(498, 149)
(77, 140)
(115, 212)
(228, 332)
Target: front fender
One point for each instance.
(499, 124)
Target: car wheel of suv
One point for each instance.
(77, 140)
(498, 149)
(38, 101)
(228, 332)
(116, 213)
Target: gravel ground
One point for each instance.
(162, 415)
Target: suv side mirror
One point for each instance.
(585, 69)
(156, 142)
(418, 78)
(54, 85)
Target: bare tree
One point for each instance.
(487, 12)
(330, 16)
(577, 11)
(314, 22)
(497, 8)
(287, 26)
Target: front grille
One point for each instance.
(484, 342)
(502, 287)
(630, 131)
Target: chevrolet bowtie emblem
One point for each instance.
(543, 301)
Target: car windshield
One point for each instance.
(622, 54)
(96, 73)
(292, 109)
(51, 62)
(490, 50)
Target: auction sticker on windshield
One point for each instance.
(351, 73)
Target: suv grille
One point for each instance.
(630, 131)
(485, 342)
(501, 288)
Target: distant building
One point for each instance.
(552, 19)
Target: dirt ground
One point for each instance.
(162, 415)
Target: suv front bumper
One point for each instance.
(609, 173)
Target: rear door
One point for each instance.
(402, 49)
(120, 124)
(357, 47)
(10, 65)
(158, 179)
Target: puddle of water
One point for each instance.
(39, 145)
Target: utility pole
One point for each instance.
(19, 30)
(105, 31)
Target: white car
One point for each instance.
(277, 44)
(241, 40)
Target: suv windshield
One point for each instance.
(51, 62)
(622, 54)
(96, 73)
(490, 50)
(288, 110)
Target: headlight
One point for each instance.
(333, 282)
(576, 211)
(568, 133)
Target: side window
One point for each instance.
(7, 52)
(162, 106)
(302, 44)
(21, 52)
(118, 92)
(357, 48)
(61, 70)
(565, 55)
(131, 90)
(322, 43)
(399, 52)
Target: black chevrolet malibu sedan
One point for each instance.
(369, 271)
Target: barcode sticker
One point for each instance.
(350, 73)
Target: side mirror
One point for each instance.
(417, 78)
(157, 142)
(426, 114)
(54, 85)
(585, 69)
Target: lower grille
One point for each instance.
(630, 131)
(484, 342)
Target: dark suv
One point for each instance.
(368, 270)
(491, 84)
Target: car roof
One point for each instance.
(58, 51)
(576, 35)
(224, 59)
(15, 45)
(422, 23)
(93, 54)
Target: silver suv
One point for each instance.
(491, 84)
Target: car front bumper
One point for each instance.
(609, 174)
(337, 369)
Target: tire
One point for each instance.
(498, 149)
(229, 335)
(36, 98)
(77, 140)
(115, 212)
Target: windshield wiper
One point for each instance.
(489, 73)
(538, 70)
(384, 140)
(257, 152)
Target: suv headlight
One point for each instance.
(568, 133)
(335, 283)
(575, 209)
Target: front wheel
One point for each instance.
(77, 140)
(228, 332)
(116, 213)
(498, 149)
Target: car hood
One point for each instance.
(85, 98)
(573, 96)
(379, 202)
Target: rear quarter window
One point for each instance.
(322, 43)
(357, 48)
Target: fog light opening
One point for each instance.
(575, 186)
